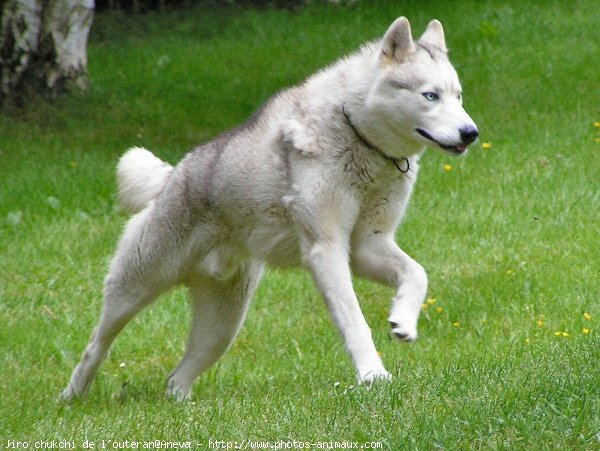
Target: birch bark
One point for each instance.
(43, 46)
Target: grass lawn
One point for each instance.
(509, 348)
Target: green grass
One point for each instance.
(509, 237)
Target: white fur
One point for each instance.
(314, 179)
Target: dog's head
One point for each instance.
(417, 94)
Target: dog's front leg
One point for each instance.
(376, 256)
(329, 265)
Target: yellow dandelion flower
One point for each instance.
(597, 140)
(558, 333)
(527, 341)
(565, 334)
(587, 316)
(456, 324)
(431, 301)
(586, 331)
(597, 124)
(540, 323)
(424, 306)
(439, 309)
(486, 146)
(447, 167)
(509, 272)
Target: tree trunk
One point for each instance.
(43, 46)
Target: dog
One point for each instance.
(319, 176)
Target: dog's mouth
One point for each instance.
(455, 149)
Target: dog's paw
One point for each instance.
(403, 332)
(179, 396)
(177, 393)
(69, 394)
(374, 377)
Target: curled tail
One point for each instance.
(141, 177)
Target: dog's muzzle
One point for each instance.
(467, 135)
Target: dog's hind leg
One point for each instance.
(219, 309)
(120, 306)
(134, 280)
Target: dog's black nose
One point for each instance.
(469, 134)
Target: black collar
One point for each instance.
(361, 138)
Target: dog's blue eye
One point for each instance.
(431, 96)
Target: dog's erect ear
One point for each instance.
(397, 41)
(434, 35)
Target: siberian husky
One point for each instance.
(320, 176)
